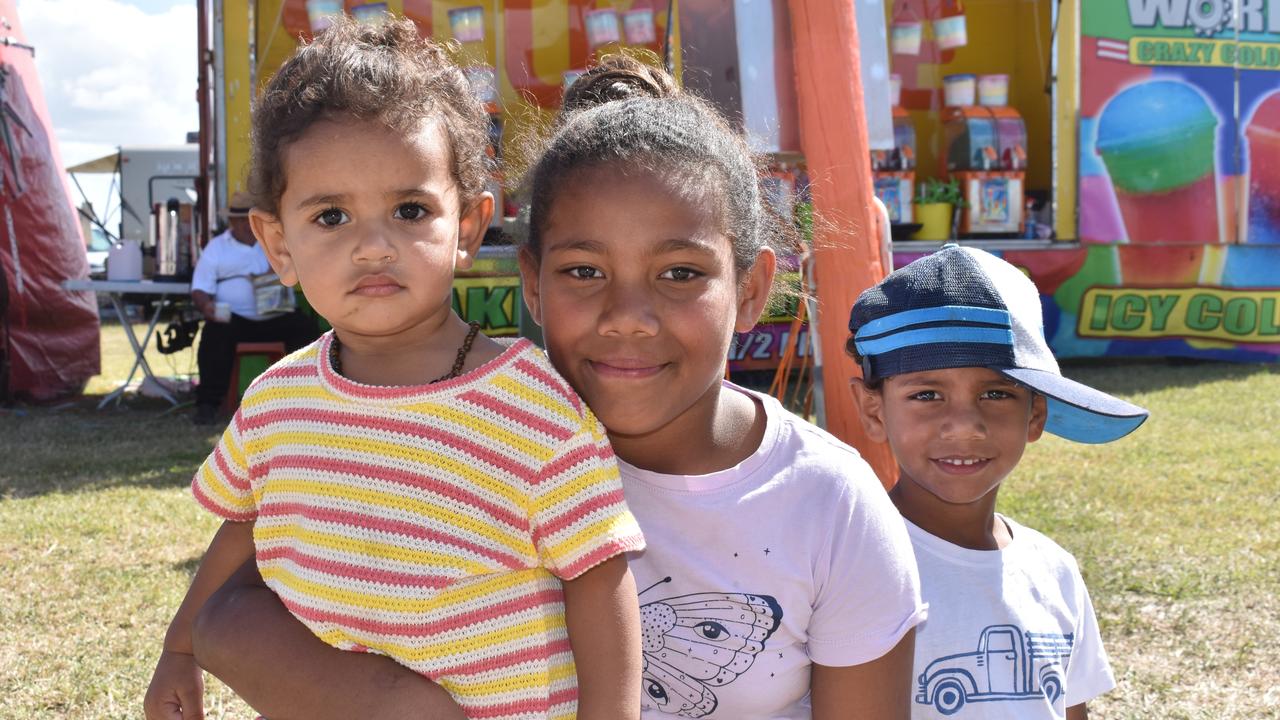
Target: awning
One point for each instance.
(105, 164)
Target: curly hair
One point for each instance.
(381, 72)
(624, 112)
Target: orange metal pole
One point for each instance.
(847, 255)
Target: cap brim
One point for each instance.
(1078, 412)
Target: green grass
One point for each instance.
(99, 538)
(1177, 534)
(1175, 528)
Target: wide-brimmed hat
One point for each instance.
(962, 307)
(239, 205)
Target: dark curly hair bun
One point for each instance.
(630, 115)
(617, 77)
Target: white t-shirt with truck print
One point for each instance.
(1011, 633)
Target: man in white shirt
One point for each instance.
(223, 277)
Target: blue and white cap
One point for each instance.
(962, 307)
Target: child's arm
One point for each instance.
(1078, 712)
(877, 689)
(245, 635)
(603, 620)
(177, 686)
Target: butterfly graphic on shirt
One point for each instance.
(695, 643)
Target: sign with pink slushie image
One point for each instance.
(1179, 122)
(1179, 185)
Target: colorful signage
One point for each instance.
(1203, 53)
(1179, 103)
(763, 347)
(494, 302)
(1179, 190)
(1193, 312)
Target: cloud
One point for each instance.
(114, 74)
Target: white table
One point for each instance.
(116, 290)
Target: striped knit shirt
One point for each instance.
(432, 524)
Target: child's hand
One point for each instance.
(177, 689)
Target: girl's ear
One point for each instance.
(473, 222)
(753, 292)
(529, 287)
(870, 409)
(270, 233)
(1039, 415)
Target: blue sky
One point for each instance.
(114, 72)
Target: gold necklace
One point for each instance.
(335, 359)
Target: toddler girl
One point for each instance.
(409, 487)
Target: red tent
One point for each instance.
(48, 336)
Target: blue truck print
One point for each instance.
(1008, 665)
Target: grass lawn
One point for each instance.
(1176, 530)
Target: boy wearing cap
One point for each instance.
(223, 276)
(957, 377)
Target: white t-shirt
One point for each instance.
(223, 272)
(793, 557)
(1011, 633)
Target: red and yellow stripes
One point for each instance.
(431, 524)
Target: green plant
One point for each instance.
(934, 191)
(804, 221)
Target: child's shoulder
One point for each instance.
(537, 386)
(533, 367)
(1031, 559)
(1029, 547)
(299, 366)
(812, 455)
(1031, 541)
(805, 440)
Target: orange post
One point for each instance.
(847, 253)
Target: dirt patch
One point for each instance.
(1195, 658)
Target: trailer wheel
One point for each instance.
(1052, 688)
(948, 697)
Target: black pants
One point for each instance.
(218, 347)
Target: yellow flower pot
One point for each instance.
(935, 221)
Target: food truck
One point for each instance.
(1120, 153)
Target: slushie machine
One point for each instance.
(894, 171)
(986, 152)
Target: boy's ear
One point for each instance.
(270, 234)
(529, 287)
(473, 222)
(870, 409)
(1039, 415)
(754, 290)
